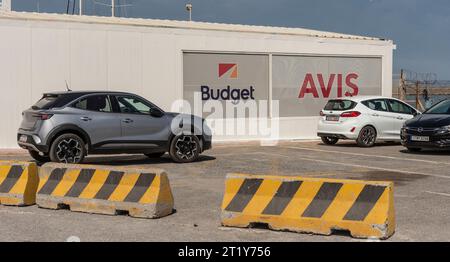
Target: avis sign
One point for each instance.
(304, 84)
(319, 85)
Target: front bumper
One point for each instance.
(437, 140)
(31, 144)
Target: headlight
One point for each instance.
(443, 130)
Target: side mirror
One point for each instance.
(416, 113)
(156, 112)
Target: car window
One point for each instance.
(399, 107)
(339, 105)
(99, 103)
(376, 104)
(133, 105)
(440, 108)
(49, 101)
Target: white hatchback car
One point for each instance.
(366, 119)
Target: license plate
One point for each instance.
(332, 118)
(420, 138)
(23, 138)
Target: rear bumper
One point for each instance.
(30, 143)
(341, 130)
(339, 136)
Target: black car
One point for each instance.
(428, 130)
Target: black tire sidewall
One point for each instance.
(359, 140)
(329, 140)
(172, 150)
(55, 143)
(40, 159)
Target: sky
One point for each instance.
(419, 28)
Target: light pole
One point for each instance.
(189, 9)
(113, 8)
(81, 7)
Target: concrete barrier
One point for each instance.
(310, 205)
(143, 193)
(18, 183)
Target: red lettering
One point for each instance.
(308, 87)
(353, 86)
(326, 90)
(339, 91)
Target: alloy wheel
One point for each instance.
(186, 147)
(69, 151)
(368, 136)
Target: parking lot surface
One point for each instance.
(422, 194)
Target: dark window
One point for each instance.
(99, 103)
(440, 108)
(399, 107)
(133, 105)
(45, 102)
(376, 104)
(339, 105)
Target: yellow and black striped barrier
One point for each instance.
(310, 205)
(18, 183)
(144, 193)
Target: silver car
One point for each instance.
(67, 126)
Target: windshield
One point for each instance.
(339, 105)
(442, 108)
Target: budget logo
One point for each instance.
(226, 68)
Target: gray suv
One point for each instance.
(67, 126)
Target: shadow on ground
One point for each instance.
(128, 160)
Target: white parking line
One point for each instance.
(362, 166)
(437, 193)
(366, 155)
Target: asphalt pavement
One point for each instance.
(422, 194)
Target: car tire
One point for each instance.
(40, 158)
(68, 148)
(367, 137)
(184, 148)
(329, 140)
(155, 155)
(414, 149)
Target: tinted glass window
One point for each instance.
(440, 108)
(399, 107)
(134, 105)
(49, 101)
(45, 102)
(99, 103)
(376, 104)
(339, 105)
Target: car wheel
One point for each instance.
(367, 137)
(68, 148)
(414, 149)
(329, 140)
(184, 148)
(39, 157)
(155, 155)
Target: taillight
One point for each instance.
(351, 114)
(321, 113)
(43, 116)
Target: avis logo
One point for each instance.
(312, 84)
(225, 68)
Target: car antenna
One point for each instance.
(67, 86)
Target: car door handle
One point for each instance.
(127, 120)
(375, 115)
(400, 118)
(85, 118)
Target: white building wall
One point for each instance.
(38, 56)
